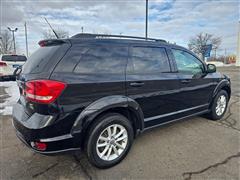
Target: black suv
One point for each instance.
(98, 92)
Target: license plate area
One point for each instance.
(16, 65)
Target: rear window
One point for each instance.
(14, 58)
(39, 59)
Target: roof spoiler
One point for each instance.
(50, 42)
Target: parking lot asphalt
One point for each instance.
(194, 148)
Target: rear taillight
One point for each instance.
(43, 91)
(42, 43)
(2, 64)
(39, 146)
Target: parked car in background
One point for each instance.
(9, 63)
(98, 92)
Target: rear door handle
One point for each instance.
(137, 84)
(185, 81)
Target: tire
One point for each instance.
(100, 128)
(214, 114)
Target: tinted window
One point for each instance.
(103, 60)
(41, 56)
(149, 60)
(72, 57)
(187, 63)
(14, 58)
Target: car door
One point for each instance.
(196, 85)
(151, 83)
(92, 72)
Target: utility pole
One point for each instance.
(238, 46)
(225, 58)
(146, 30)
(25, 25)
(13, 30)
(82, 29)
(215, 54)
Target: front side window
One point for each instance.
(187, 63)
(149, 60)
(99, 60)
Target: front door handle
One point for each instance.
(186, 81)
(137, 84)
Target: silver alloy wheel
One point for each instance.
(221, 105)
(112, 142)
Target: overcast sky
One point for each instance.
(172, 20)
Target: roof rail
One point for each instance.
(102, 36)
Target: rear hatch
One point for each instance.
(45, 58)
(39, 67)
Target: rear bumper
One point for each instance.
(7, 77)
(55, 150)
(38, 128)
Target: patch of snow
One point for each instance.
(12, 91)
(219, 64)
(216, 63)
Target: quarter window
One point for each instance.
(103, 60)
(149, 60)
(187, 63)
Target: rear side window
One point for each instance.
(39, 58)
(14, 58)
(101, 59)
(148, 60)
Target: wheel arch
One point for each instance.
(228, 90)
(126, 112)
(223, 85)
(114, 104)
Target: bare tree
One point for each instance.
(50, 35)
(6, 44)
(198, 43)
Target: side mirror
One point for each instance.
(211, 68)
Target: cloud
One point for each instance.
(175, 21)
